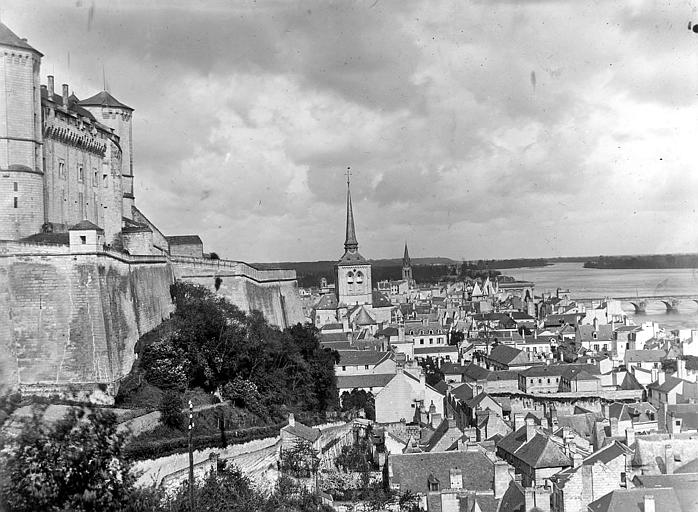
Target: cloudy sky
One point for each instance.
(473, 129)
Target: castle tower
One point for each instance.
(353, 270)
(407, 267)
(21, 165)
(111, 112)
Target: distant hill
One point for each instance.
(320, 266)
(652, 261)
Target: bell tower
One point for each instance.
(407, 268)
(353, 270)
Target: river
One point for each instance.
(590, 282)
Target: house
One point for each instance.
(645, 359)
(450, 481)
(405, 397)
(670, 391)
(296, 432)
(369, 370)
(425, 334)
(638, 499)
(535, 454)
(541, 379)
(595, 476)
(576, 379)
(504, 357)
(596, 337)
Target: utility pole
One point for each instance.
(191, 457)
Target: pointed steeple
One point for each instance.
(406, 258)
(350, 242)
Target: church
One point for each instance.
(355, 304)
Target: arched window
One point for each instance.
(350, 282)
(359, 277)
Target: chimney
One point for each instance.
(529, 499)
(629, 437)
(681, 368)
(614, 426)
(668, 459)
(502, 477)
(649, 503)
(541, 496)
(530, 431)
(65, 96)
(661, 375)
(50, 87)
(596, 324)
(422, 379)
(518, 421)
(576, 459)
(291, 420)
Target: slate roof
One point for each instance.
(104, 99)
(49, 238)
(361, 357)
(331, 327)
(463, 392)
(302, 431)
(184, 240)
(684, 485)
(444, 436)
(632, 500)
(413, 471)
(380, 300)
(378, 380)
(352, 258)
(363, 318)
(85, 225)
(327, 302)
(577, 373)
(669, 384)
(647, 356)
(603, 333)
(476, 372)
(9, 38)
(507, 355)
(436, 349)
(540, 452)
(333, 336)
(388, 331)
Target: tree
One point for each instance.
(171, 410)
(76, 465)
(300, 460)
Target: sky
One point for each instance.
(473, 129)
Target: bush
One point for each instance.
(164, 365)
(171, 410)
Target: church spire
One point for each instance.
(406, 258)
(350, 243)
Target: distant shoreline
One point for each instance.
(658, 261)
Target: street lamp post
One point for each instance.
(191, 457)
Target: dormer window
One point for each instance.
(594, 335)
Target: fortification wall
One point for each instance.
(72, 320)
(273, 292)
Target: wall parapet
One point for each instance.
(237, 269)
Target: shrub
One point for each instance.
(171, 410)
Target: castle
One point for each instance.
(83, 273)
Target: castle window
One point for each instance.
(83, 239)
(16, 205)
(15, 186)
(81, 173)
(61, 169)
(94, 177)
(105, 182)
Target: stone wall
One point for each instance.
(70, 320)
(273, 292)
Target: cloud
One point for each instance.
(473, 129)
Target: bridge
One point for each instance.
(640, 302)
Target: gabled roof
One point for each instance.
(9, 38)
(648, 356)
(352, 258)
(540, 452)
(603, 333)
(361, 357)
(476, 372)
(363, 318)
(327, 302)
(184, 240)
(668, 385)
(380, 300)
(413, 471)
(507, 355)
(302, 431)
(633, 500)
(85, 225)
(104, 99)
(463, 392)
(376, 380)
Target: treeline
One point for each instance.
(210, 344)
(503, 264)
(646, 262)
